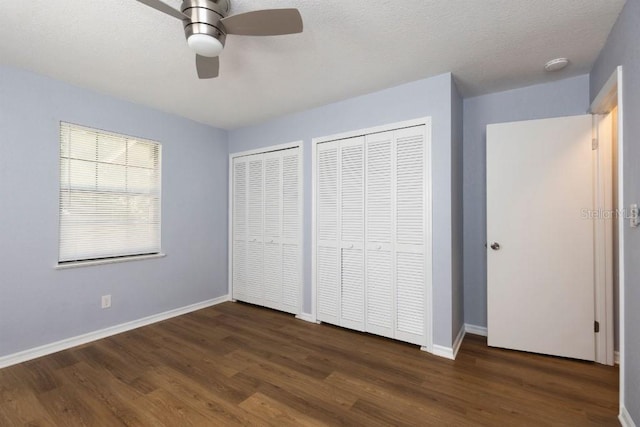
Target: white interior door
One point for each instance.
(380, 202)
(540, 183)
(327, 234)
(291, 231)
(273, 230)
(352, 298)
(240, 230)
(411, 227)
(255, 225)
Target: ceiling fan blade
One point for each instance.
(208, 68)
(163, 7)
(269, 22)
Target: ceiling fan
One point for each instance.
(207, 24)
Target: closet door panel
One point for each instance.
(327, 244)
(273, 267)
(239, 232)
(255, 258)
(410, 231)
(352, 232)
(379, 234)
(291, 229)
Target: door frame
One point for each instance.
(424, 121)
(609, 97)
(269, 149)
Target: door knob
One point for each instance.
(495, 246)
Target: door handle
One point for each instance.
(495, 246)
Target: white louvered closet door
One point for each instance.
(291, 229)
(352, 299)
(380, 234)
(240, 230)
(255, 216)
(272, 275)
(328, 287)
(411, 219)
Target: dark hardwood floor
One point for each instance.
(238, 364)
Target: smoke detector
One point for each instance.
(556, 64)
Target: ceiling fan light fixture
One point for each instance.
(205, 45)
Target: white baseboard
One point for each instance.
(450, 352)
(616, 357)
(625, 418)
(34, 353)
(475, 330)
(307, 317)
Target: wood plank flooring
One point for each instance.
(235, 364)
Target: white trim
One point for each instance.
(44, 350)
(77, 264)
(368, 131)
(625, 417)
(475, 330)
(268, 149)
(440, 351)
(307, 317)
(616, 357)
(272, 148)
(603, 102)
(458, 341)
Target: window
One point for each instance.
(109, 195)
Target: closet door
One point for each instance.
(411, 227)
(380, 275)
(291, 229)
(240, 230)
(327, 236)
(273, 274)
(255, 219)
(351, 178)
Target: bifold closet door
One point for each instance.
(272, 275)
(267, 198)
(411, 225)
(372, 228)
(352, 298)
(328, 287)
(255, 237)
(291, 230)
(380, 202)
(240, 230)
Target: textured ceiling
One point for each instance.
(349, 47)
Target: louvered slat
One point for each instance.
(327, 249)
(410, 189)
(379, 188)
(328, 194)
(239, 264)
(410, 289)
(272, 196)
(352, 191)
(352, 285)
(255, 253)
(290, 195)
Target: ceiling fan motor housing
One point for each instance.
(205, 16)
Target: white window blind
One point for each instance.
(109, 195)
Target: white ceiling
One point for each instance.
(348, 48)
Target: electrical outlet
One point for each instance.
(106, 301)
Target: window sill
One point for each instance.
(78, 264)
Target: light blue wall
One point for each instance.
(41, 305)
(623, 48)
(560, 98)
(430, 97)
(457, 175)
